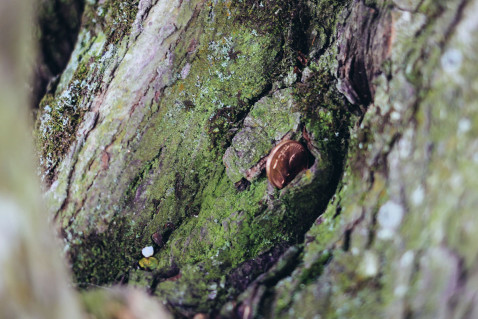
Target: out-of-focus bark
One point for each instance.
(34, 281)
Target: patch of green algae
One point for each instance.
(345, 271)
(411, 271)
(58, 123)
(111, 17)
(216, 227)
(225, 62)
(231, 68)
(180, 154)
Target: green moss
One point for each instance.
(61, 113)
(268, 121)
(113, 18)
(119, 18)
(57, 125)
(216, 227)
(96, 248)
(323, 17)
(325, 112)
(179, 178)
(188, 176)
(314, 270)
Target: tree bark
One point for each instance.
(160, 127)
(34, 281)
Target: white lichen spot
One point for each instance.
(405, 145)
(212, 295)
(290, 79)
(464, 126)
(456, 181)
(407, 259)
(418, 196)
(385, 234)
(451, 60)
(400, 291)
(369, 265)
(395, 116)
(170, 191)
(389, 218)
(390, 215)
(147, 251)
(306, 74)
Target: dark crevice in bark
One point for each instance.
(347, 235)
(245, 273)
(58, 24)
(279, 263)
(365, 42)
(71, 173)
(162, 275)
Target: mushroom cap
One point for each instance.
(147, 251)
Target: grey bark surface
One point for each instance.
(160, 126)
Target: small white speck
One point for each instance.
(456, 181)
(395, 116)
(464, 125)
(212, 295)
(147, 251)
(370, 264)
(390, 215)
(400, 291)
(407, 259)
(451, 60)
(407, 16)
(385, 233)
(418, 195)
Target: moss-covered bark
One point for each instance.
(164, 117)
(397, 239)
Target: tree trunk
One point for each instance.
(159, 129)
(33, 281)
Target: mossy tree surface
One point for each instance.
(167, 109)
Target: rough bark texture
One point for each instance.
(167, 110)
